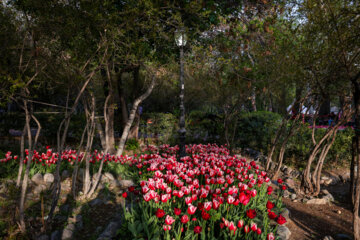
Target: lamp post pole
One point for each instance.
(182, 130)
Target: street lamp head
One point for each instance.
(180, 38)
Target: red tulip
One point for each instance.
(251, 213)
(160, 213)
(280, 219)
(177, 211)
(184, 219)
(169, 220)
(197, 229)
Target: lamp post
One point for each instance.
(180, 39)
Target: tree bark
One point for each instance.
(21, 160)
(31, 148)
(124, 111)
(132, 116)
(75, 173)
(352, 168)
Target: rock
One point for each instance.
(95, 176)
(295, 173)
(272, 165)
(65, 208)
(290, 183)
(56, 235)
(79, 222)
(295, 200)
(286, 194)
(329, 197)
(318, 201)
(96, 202)
(293, 196)
(64, 175)
(60, 218)
(49, 178)
(345, 177)
(325, 192)
(342, 237)
(68, 232)
(286, 214)
(328, 238)
(66, 186)
(328, 181)
(80, 175)
(108, 176)
(283, 233)
(37, 179)
(101, 186)
(324, 178)
(126, 183)
(43, 237)
(110, 230)
(39, 188)
(288, 171)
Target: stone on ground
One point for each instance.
(37, 179)
(283, 233)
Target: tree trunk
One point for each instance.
(324, 152)
(356, 98)
(61, 143)
(21, 160)
(100, 132)
(31, 148)
(282, 150)
(90, 138)
(352, 168)
(98, 176)
(75, 173)
(134, 131)
(124, 111)
(132, 116)
(306, 182)
(109, 111)
(274, 143)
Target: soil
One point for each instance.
(309, 221)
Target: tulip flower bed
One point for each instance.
(207, 195)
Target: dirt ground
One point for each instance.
(309, 221)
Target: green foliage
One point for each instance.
(164, 126)
(300, 146)
(256, 129)
(132, 144)
(204, 127)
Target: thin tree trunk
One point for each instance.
(75, 173)
(274, 143)
(91, 132)
(21, 160)
(31, 148)
(98, 176)
(100, 132)
(124, 111)
(352, 168)
(132, 116)
(66, 120)
(109, 114)
(323, 155)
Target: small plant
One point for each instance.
(132, 144)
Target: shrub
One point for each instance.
(163, 126)
(256, 129)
